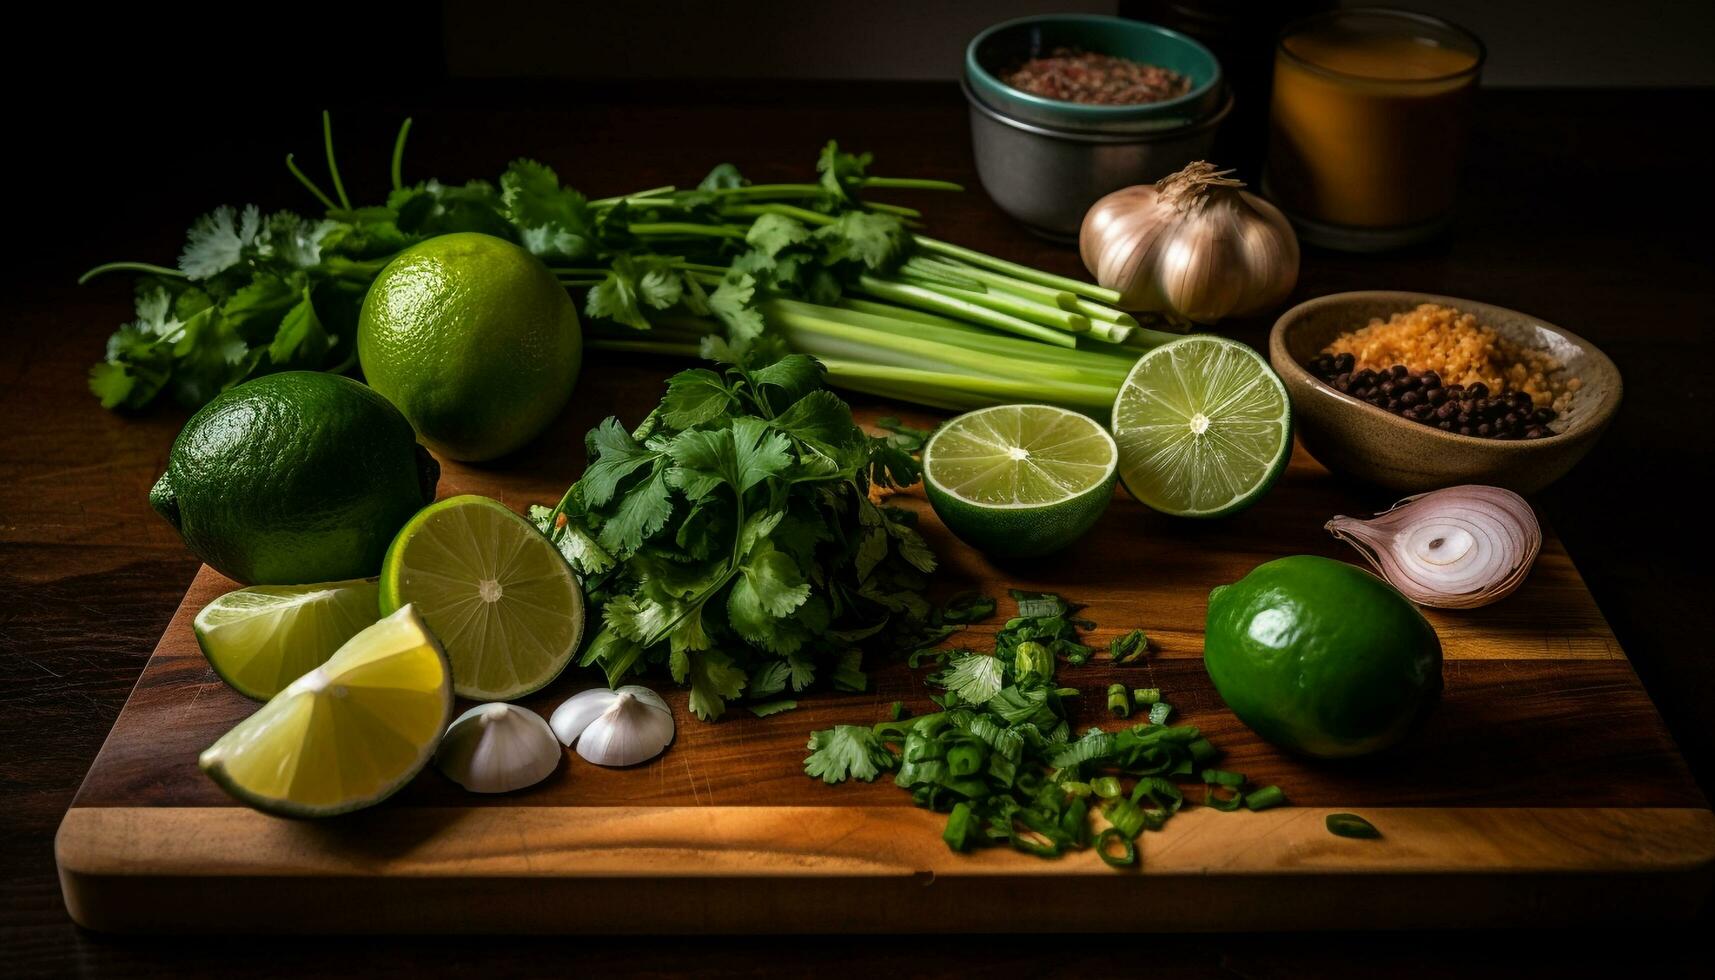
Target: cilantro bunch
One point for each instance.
(999, 760)
(732, 539)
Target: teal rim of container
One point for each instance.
(1103, 34)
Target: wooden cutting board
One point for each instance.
(1544, 789)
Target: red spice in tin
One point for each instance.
(1071, 75)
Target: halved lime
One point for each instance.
(347, 734)
(1204, 427)
(1019, 480)
(498, 594)
(262, 638)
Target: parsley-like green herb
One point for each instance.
(731, 539)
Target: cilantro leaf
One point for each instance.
(553, 221)
(301, 339)
(772, 708)
(796, 375)
(740, 457)
(694, 397)
(731, 302)
(642, 512)
(714, 681)
(976, 678)
(216, 242)
(769, 679)
(847, 751)
(771, 233)
(877, 241)
(848, 674)
(723, 177)
(841, 172)
(617, 456)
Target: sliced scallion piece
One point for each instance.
(1105, 843)
(1351, 825)
(1264, 798)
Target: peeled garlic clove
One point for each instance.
(615, 728)
(497, 748)
(1457, 548)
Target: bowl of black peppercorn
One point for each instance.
(1414, 431)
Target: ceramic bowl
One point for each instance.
(1350, 436)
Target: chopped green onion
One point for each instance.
(1351, 825)
(1146, 695)
(1079, 790)
(1119, 702)
(1221, 777)
(1104, 849)
(1264, 798)
(898, 711)
(1126, 816)
(1129, 647)
(1211, 798)
(958, 832)
(1106, 787)
(1202, 750)
(1158, 712)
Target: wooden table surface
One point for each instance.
(1579, 207)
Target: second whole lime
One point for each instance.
(294, 478)
(474, 340)
(1321, 657)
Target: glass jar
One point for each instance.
(1368, 125)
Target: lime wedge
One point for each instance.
(347, 734)
(1204, 427)
(499, 595)
(1019, 480)
(262, 638)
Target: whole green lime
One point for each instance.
(474, 340)
(1321, 657)
(294, 478)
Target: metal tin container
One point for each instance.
(1047, 176)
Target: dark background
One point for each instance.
(125, 124)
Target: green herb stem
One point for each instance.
(909, 183)
(144, 267)
(645, 347)
(1102, 312)
(309, 184)
(1017, 271)
(398, 168)
(937, 302)
(608, 202)
(1061, 298)
(333, 164)
(962, 392)
(685, 228)
(823, 337)
(1025, 309)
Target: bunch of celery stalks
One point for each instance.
(948, 326)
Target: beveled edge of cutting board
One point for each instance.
(771, 869)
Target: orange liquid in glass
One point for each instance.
(1368, 130)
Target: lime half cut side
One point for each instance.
(1020, 480)
(347, 734)
(498, 594)
(1204, 427)
(262, 638)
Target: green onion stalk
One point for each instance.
(950, 327)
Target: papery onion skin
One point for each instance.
(1458, 548)
(1192, 245)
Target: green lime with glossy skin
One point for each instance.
(1321, 657)
(294, 478)
(474, 340)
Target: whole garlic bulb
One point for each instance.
(1192, 246)
(497, 748)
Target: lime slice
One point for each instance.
(347, 734)
(262, 638)
(1203, 426)
(1016, 481)
(498, 594)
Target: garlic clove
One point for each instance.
(1458, 548)
(615, 728)
(498, 748)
